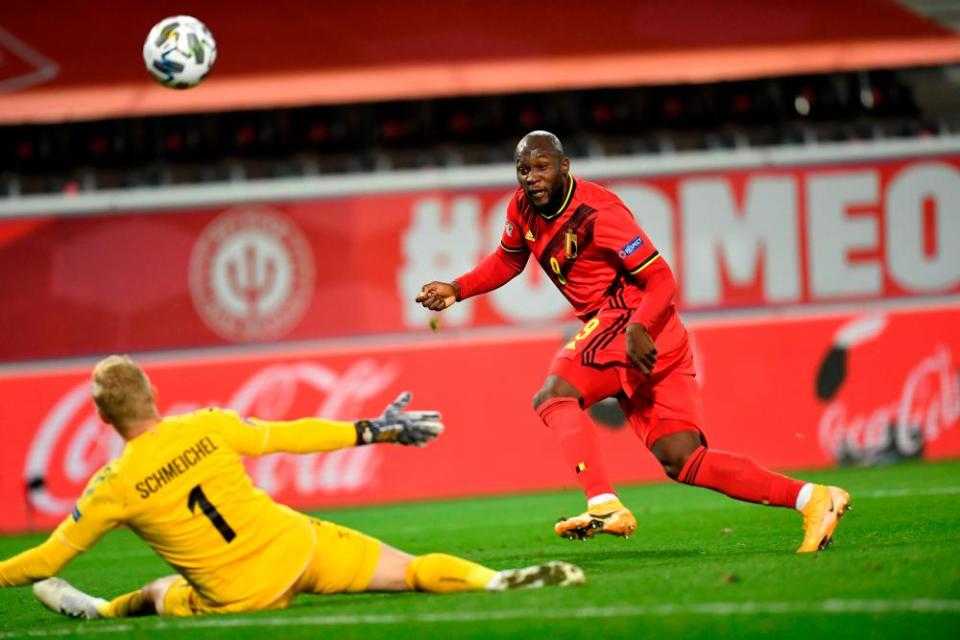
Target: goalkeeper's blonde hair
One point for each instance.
(122, 391)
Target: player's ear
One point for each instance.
(565, 166)
(102, 417)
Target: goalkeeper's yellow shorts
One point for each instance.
(343, 562)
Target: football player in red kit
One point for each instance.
(632, 346)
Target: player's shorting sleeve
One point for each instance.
(256, 437)
(501, 266)
(619, 233)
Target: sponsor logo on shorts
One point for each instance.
(251, 274)
(630, 247)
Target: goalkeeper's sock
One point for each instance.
(578, 441)
(126, 606)
(442, 573)
(739, 477)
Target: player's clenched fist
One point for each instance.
(640, 348)
(437, 296)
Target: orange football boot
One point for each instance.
(821, 515)
(609, 517)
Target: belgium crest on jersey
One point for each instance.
(571, 244)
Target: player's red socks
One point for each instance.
(578, 440)
(734, 475)
(739, 477)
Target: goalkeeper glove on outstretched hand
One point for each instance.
(399, 426)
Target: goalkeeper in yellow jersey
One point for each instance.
(181, 486)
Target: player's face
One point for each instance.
(543, 177)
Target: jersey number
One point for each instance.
(555, 265)
(588, 328)
(198, 497)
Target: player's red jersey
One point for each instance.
(593, 250)
(587, 247)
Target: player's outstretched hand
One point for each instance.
(640, 348)
(400, 427)
(437, 296)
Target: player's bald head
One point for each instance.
(539, 142)
(543, 172)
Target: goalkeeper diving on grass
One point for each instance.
(181, 486)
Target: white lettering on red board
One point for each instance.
(928, 405)
(762, 235)
(795, 236)
(72, 443)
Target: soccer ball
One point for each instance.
(179, 52)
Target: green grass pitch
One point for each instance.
(700, 565)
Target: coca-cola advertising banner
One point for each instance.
(330, 267)
(797, 393)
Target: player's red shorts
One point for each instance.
(595, 362)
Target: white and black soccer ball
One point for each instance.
(179, 52)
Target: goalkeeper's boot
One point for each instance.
(821, 515)
(60, 596)
(549, 574)
(609, 517)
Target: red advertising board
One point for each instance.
(801, 392)
(299, 270)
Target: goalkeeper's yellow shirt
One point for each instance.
(181, 486)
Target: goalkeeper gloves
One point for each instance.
(400, 427)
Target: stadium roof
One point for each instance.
(60, 62)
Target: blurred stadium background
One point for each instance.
(257, 241)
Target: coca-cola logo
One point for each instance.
(927, 406)
(251, 274)
(72, 443)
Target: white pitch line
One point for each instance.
(673, 506)
(716, 608)
(829, 607)
(906, 493)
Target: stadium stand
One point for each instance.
(445, 132)
(658, 80)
